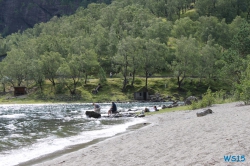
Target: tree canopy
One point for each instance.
(183, 38)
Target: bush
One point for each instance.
(220, 96)
(102, 76)
(194, 105)
(243, 89)
(137, 81)
(59, 88)
(207, 100)
(245, 94)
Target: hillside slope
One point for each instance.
(19, 15)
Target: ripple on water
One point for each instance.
(26, 129)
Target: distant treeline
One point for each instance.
(130, 37)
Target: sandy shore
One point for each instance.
(178, 138)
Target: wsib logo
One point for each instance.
(232, 158)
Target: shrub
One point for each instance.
(102, 76)
(59, 88)
(137, 81)
(243, 89)
(207, 100)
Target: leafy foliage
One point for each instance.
(207, 100)
(133, 39)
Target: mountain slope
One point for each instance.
(19, 15)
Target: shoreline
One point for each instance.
(81, 102)
(75, 148)
(174, 138)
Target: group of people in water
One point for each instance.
(113, 109)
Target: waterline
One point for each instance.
(31, 131)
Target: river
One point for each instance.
(30, 131)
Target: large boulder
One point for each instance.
(190, 100)
(92, 114)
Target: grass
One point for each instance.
(111, 90)
(180, 108)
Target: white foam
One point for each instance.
(14, 116)
(53, 144)
(11, 126)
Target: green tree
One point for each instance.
(152, 58)
(211, 27)
(15, 67)
(69, 69)
(185, 62)
(135, 54)
(36, 73)
(206, 66)
(121, 59)
(102, 47)
(243, 89)
(51, 61)
(184, 27)
(88, 63)
(222, 8)
(169, 9)
(241, 40)
(235, 57)
(3, 78)
(235, 26)
(3, 46)
(233, 65)
(158, 28)
(126, 57)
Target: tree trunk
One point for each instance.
(4, 90)
(248, 15)
(179, 81)
(40, 84)
(19, 81)
(72, 91)
(133, 78)
(125, 80)
(125, 74)
(86, 77)
(124, 84)
(41, 87)
(53, 82)
(179, 12)
(146, 85)
(75, 84)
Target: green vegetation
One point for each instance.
(190, 45)
(210, 98)
(111, 90)
(180, 108)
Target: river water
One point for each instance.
(31, 131)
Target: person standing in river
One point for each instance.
(113, 109)
(97, 108)
(155, 108)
